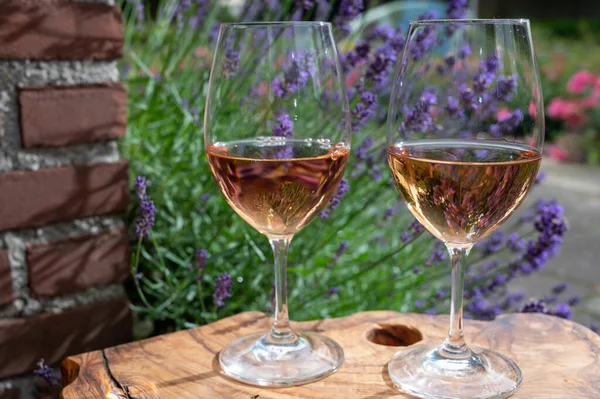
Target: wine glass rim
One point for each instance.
(275, 23)
(473, 21)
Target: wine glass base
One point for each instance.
(255, 359)
(423, 371)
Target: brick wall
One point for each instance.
(63, 187)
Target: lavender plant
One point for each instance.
(195, 261)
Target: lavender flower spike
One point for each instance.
(147, 210)
(335, 200)
(200, 259)
(284, 127)
(348, 10)
(222, 289)
(46, 373)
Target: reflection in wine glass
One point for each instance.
(277, 141)
(464, 148)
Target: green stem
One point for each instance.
(134, 272)
(158, 253)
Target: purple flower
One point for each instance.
(514, 243)
(534, 306)
(424, 39)
(507, 124)
(363, 110)
(452, 107)
(594, 327)
(438, 254)
(382, 32)
(332, 291)
(440, 69)
(231, 62)
(46, 373)
(347, 11)
(464, 51)
(481, 309)
(467, 97)
(363, 149)
(457, 9)
(491, 64)
(140, 187)
(389, 213)
(416, 270)
(335, 200)
(506, 87)
(182, 7)
(562, 310)
(296, 72)
(199, 15)
(418, 119)
(200, 259)
(541, 176)
(358, 55)
(146, 220)
(147, 210)
(551, 226)
(381, 64)
(338, 252)
(283, 127)
(398, 40)
(482, 81)
(494, 243)
(341, 248)
(560, 287)
(222, 289)
(574, 300)
(214, 32)
(375, 173)
(419, 303)
(138, 276)
(305, 4)
(414, 228)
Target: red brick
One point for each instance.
(72, 265)
(60, 30)
(58, 116)
(6, 292)
(35, 198)
(11, 393)
(54, 336)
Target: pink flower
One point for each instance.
(570, 111)
(532, 109)
(560, 108)
(558, 153)
(352, 77)
(503, 113)
(580, 81)
(592, 100)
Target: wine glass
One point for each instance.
(277, 139)
(465, 136)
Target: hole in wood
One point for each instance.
(394, 335)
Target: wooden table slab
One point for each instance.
(559, 359)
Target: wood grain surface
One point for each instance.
(559, 358)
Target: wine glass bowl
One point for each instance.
(465, 136)
(277, 142)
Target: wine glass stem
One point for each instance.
(281, 331)
(454, 346)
